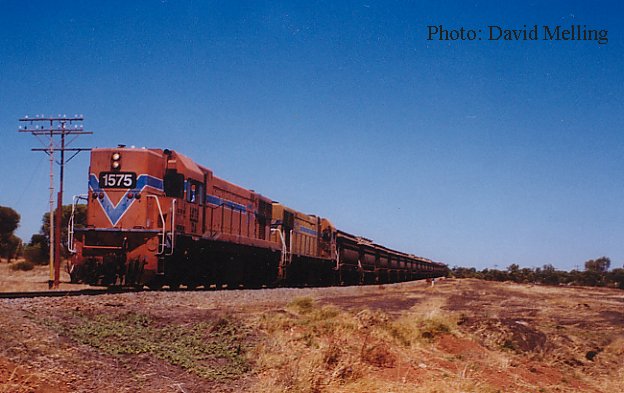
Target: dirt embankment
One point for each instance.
(459, 336)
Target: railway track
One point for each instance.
(119, 290)
(66, 293)
(103, 291)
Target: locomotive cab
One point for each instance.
(129, 220)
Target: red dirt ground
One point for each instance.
(508, 337)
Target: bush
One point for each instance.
(302, 305)
(36, 254)
(23, 265)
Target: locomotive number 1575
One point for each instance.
(117, 179)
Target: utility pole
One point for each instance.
(49, 129)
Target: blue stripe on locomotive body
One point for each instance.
(115, 212)
(308, 231)
(143, 180)
(215, 200)
(150, 181)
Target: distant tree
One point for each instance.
(548, 268)
(591, 278)
(616, 277)
(494, 275)
(513, 272)
(37, 239)
(9, 221)
(549, 275)
(463, 272)
(600, 265)
(10, 247)
(596, 274)
(575, 277)
(38, 250)
(527, 275)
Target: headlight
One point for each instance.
(116, 161)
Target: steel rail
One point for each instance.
(67, 293)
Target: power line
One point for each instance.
(55, 129)
(18, 201)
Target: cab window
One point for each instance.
(174, 184)
(194, 191)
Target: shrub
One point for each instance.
(23, 265)
(302, 305)
(36, 254)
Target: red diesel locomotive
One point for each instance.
(155, 217)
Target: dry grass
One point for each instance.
(611, 356)
(17, 379)
(12, 384)
(36, 279)
(364, 339)
(312, 348)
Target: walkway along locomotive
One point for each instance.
(155, 217)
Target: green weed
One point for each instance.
(210, 350)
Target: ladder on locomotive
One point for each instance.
(71, 221)
(286, 254)
(166, 244)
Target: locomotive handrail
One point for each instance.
(173, 212)
(285, 252)
(161, 248)
(104, 247)
(337, 259)
(70, 223)
(232, 208)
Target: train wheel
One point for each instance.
(233, 285)
(192, 285)
(155, 284)
(207, 283)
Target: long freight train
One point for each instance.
(155, 217)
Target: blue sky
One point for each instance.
(474, 153)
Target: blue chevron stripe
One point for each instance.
(115, 212)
